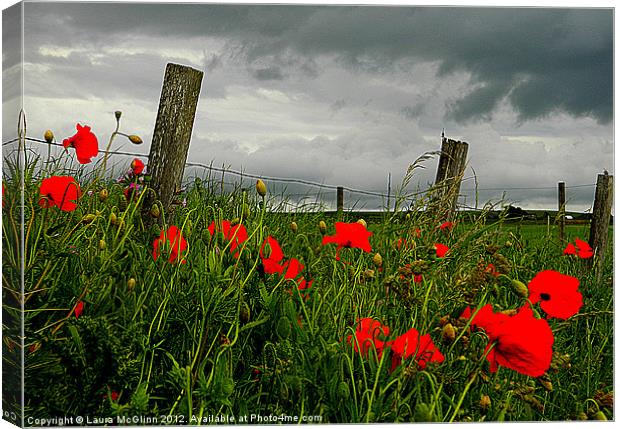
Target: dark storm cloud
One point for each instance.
(542, 61)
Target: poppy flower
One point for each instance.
(582, 249)
(236, 235)
(137, 166)
(271, 263)
(417, 278)
(177, 244)
(570, 249)
(351, 235)
(446, 226)
(79, 308)
(113, 396)
(132, 191)
(84, 142)
(441, 250)
(292, 268)
(59, 191)
(367, 333)
(557, 294)
(490, 269)
(511, 343)
(411, 344)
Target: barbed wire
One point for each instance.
(303, 181)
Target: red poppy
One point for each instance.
(441, 250)
(79, 308)
(582, 250)
(236, 235)
(85, 144)
(367, 333)
(271, 264)
(557, 294)
(292, 268)
(446, 226)
(417, 278)
(60, 191)
(349, 235)
(177, 244)
(491, 270)
(411, 344)
(512, 343)
(137, 166)
(113, 396)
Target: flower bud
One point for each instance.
(131, 283)
(547, 385)
(245, 210)
(261, 188)
(448, 334)
(377, 260)
(88, 218)
(113, 218)
(519, 288)
(235, 221)
(135, 139)
(118, 114)
(582, 416)
(322, 227)
(48, 136)
(283, 327)
(155, 212)
(244, 313)
(102, 245)
(599, 415)
(103, 195)
(485, 402)
(363, 223)
(294, 227)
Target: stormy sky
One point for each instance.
(340, 95)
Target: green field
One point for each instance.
(217, 336)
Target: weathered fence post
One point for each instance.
(339, 201)
(173, 130)
(449, 174)
(601, 214)
(561, 208)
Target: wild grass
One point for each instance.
(216, 336)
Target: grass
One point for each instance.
(217, 337)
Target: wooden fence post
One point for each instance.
(173, 130)
(449, 174)
(561, 208)
(601, 214)
(339, 201)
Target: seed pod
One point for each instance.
(322, 227)
(261, 188)
(48, 136)
(485, 402)
(294, 227)
(135, 139)
(377, 260)
(113, 218)
(102, 245)
(155, 212)
(283, 327)
(118, 114)
(519, 288)
(448, 334)
(131, 283)
(362, 222)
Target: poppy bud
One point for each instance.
(343, 390)
(88, 218)
(547, 385)
(245, 211)
(599, 415)
(131, 283)
(235, 221)
(363, 223)
(322, 227)
(377, 260)
(294, 227)
(113, 218)
(206, 236)
(485, 402)
(118, 114)
(369, 274)
(283, 327)
(48, 136)
(103, 195)
(135, 139)
(582, 416)
(244, 313)
(448, 334)
(519, 288)
(261, 188)
(102, 245)
(444, 320)
(155, 212)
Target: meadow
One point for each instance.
(224, 307)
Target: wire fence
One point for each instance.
(386, 197)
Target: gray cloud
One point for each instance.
(542, 60)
